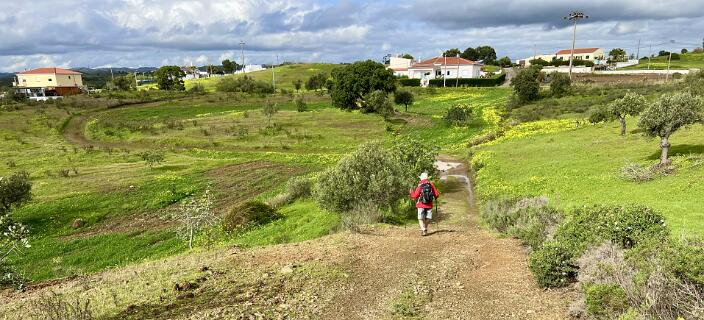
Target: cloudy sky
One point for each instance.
(98, 33)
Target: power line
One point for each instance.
(574, 16)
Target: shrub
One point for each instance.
(300, 103)
(403, 97)
(552, 264)
(152, 157)
(299, 187)
(415, 157)
(525, 85)
(469, 82)
(378, 101)
(244, 84)
(372, 172)
(605, 301)
(588, 226)
(560, 84)
(197, 89)
(409, 82)
(458, 114)
(249, 214)
(533, 225)
(636, 173)
(54, 306)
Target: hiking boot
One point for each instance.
(424, 233)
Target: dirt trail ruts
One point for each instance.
(459, 271)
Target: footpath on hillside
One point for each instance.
(459, 271)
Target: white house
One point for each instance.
(447, 67)
(400, 66)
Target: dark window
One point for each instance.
(70, 76)
(49, 79)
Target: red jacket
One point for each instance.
(416, 194)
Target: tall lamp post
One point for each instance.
(574, 16)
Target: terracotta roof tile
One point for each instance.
(577, 51)
(49, 71)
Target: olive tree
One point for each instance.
(667, 115)
(560, 84)
(378, 101)
(372, 173)
(269, 109)
(14, 192)
(404, 97)
(631, 104)
(195, 214)
(170, 78)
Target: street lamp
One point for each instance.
(574, 16)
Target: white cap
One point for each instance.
(424, 176)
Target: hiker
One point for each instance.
(424, 195)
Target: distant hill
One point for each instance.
(285, 75)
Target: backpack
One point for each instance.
(426, 193)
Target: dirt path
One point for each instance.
(460, 271)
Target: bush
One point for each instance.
(152, 157)
(528, 219)
(249, 214)
(299, 187)
(560, 84)
(415, 157)
(525, 85)
(378, 101)
(244, 84)
(605, 301)
(589, 226)
(458, 114)
(552, 264)
(372, 172)
(403, 97)
(636, 173)
(409, 82)
(54, 306)
(469, 82)
(300, 103)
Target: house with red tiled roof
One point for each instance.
(587, 54)
(444, 67)
(47, 82)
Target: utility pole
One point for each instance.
(667, 75)
(242, 50)
(136, 83)
(112, 75)
(638, 50)
(650, 54)
(444, 78)
(457, 82)
(574, 16)
(273, 72)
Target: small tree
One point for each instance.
(14, 192)
(300, 103)
(452, 52)
(618, 54)
(458, 114)
(353, 82)
(407, 56)
(684, 51)
(404, 97)
(378, 101)
(630, 105)
(298, 83)
(228, 66)
(195, 214)
(269, 109)
(504, 62)
(560, 84)
(170, 78)
(667, 115)
(525, 85)
(152, 157)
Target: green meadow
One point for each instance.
(686, 61)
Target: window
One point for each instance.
(587, 58)
(50, 79)
(448, 72)
(70, 76)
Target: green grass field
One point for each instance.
(580, 166)
(686, 61)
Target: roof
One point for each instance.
(49, 71)
(577, 51)
(399, 69)
(451, 61)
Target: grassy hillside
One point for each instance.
(686, 61)
(285, 76)
(574, 165)
(85, 163)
